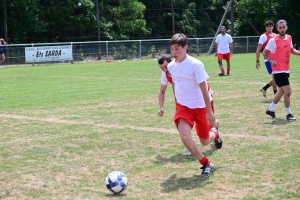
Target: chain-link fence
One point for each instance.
(127, 49)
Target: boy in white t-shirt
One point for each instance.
(192, 102)
(224, 50)
(163, 61)
(262, 43)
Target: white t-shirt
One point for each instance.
(187, 76)
(164, 80)
(263, 38)
(223, 42)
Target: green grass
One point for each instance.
(64, 127)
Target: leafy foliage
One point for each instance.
(31, 21)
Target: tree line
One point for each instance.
(39, 21)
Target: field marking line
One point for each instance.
(147, 129)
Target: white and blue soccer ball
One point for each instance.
(116, 182)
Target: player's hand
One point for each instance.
(257, 65)
(216, 54)
(211, 118)
(161, 112)
(273, 63)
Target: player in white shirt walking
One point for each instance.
(262, 43)
(224, 49)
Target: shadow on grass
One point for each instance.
(280, 122)
(174, 183)
(178, 158)
(117, 196)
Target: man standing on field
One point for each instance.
(278, 52)
(224, 50)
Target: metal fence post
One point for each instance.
(140, 43)
(106, 50)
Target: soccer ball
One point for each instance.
(116, 182)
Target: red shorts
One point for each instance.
(224, 56)
(195, 116)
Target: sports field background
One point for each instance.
(64, 127)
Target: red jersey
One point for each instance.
(169, 77)
(266, 42)
(282, 54)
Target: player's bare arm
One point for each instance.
(161, 99)
(210, 116)
(216, 49)
(266, 55)
(231, 49)
(258, 49)
(295, 52)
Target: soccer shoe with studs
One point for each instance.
(187, 153)
(264, 92)
(218, 142)
(207, 170)
(290, 117)
(271, 113)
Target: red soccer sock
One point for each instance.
(204, 161)
(228, 70)
(216, 133)
(222, 70)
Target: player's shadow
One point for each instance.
(280, 122)
(175, 183)
(179, 158)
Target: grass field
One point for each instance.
(64, 127)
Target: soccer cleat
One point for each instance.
(187, 153)
(207, 170)
(228, 74)
(222, 74)
(264, 92)
(218, 142)
(290, 117)
(271, 113)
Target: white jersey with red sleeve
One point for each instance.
(187, 75)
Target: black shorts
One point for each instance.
(282, 79)
(1, 51)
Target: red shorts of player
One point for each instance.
(224, 56)
(195, 116)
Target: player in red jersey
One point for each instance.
(278, 52)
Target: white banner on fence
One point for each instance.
(48, 54)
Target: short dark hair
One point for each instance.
(162, 58)
(280, 22)
(178, 38)
(268, 23)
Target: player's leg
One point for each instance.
(279, 80)
(264, 89)
(185, 129)
(220, 58)
(227, 58)
(2, 58)
(206, 136)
